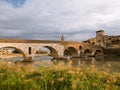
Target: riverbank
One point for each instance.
(12, 55)
(57, 77)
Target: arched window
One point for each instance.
(30, 50)
(80, 47)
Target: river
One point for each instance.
(113, 62)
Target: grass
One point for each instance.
(57, 77)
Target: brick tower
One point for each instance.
(100, 37)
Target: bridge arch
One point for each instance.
(53, 52)
(18, 49)
(87, 52)
(98, 52)
(71, 51)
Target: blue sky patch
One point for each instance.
(16, 3)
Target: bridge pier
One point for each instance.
(29, 58)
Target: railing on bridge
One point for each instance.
(27, 41)
(7, 40)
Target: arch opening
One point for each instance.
(87, 52)
(47, 51)
(80, 47)
(11, 52)
(71, 51)
(30, 50)
(80, 50)
(98, 53)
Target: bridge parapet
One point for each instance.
(27, 41)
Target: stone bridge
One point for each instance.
(58, 49)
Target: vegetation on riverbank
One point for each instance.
(57, 77)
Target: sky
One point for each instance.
(77, 20)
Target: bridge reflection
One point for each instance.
(111, 62)
(86, 61)
(99, 62)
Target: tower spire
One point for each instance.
(62, 39)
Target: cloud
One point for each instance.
(49, 19)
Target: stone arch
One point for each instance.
(18, 49)
(71, 51)
(98, 52)
(53, 51)
(87, 52)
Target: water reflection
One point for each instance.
(113, 62)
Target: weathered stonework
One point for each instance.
(57, 49)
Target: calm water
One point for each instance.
(100, 62)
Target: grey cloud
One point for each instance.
(76, 19)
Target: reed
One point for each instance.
(57, 77)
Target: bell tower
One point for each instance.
(62, 39)
(100, 37)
